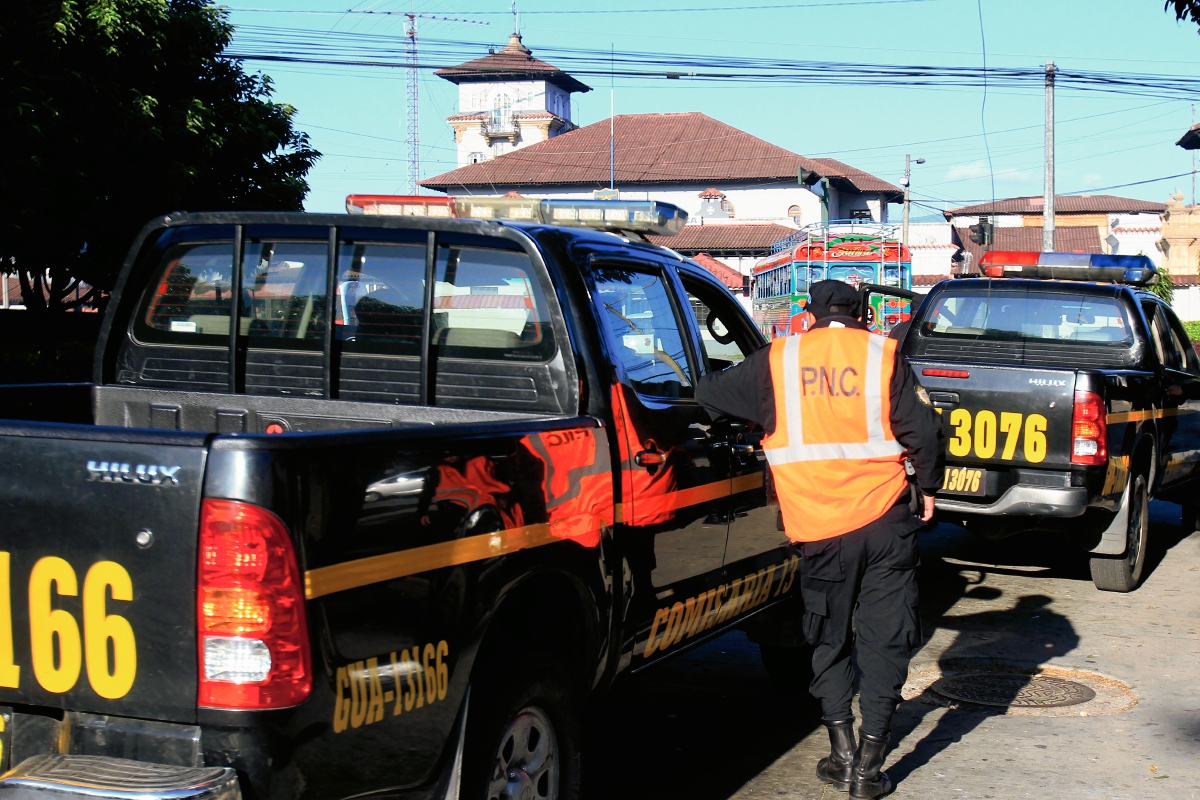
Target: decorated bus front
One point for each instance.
(854, 252)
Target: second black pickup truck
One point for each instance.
(1070, 395)
(365, 505)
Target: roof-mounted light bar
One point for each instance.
(637, 216)
(1132, 270)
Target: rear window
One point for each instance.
(487, 303)
(1023, 315)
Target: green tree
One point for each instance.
(1184, 9)
(115, 111)
(1163, 286)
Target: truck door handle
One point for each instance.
(742, 450)
(943, 399)
(650, 458)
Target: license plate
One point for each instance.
(5, 738)
(965, 480)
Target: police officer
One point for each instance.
(847, 427)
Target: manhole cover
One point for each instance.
(1021, 691)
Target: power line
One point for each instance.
(574, 11)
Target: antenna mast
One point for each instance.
(414, 106)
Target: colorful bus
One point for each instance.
(855, 251)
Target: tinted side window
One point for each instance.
(722, 337)
(1183, 344)
(1161, 336)
(644, 331)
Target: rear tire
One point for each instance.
(790, 668)
(522, 733)
(1123, 573)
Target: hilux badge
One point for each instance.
(147, 474)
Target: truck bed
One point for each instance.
(203, 412)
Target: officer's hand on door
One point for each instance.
(927, 511)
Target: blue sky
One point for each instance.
(356, 115)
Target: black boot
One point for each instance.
(869, 781)
(837, 769)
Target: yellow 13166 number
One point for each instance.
(985, 434)
(55, 645)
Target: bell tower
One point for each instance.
(508, 100)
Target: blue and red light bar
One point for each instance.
(1132, 270)
(637, 216)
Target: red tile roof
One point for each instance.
(723, 272)
(725, 238)
(1067, 239)
(1191, 139)
(514, 62)
(862, 181)
(1063, 204)
(650, 148)
(928, 280)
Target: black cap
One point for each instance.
(823, 294)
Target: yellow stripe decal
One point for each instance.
(365, 571)
(376, 569)
(1142, 416)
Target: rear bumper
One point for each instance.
(1028, 501)
(59, 777)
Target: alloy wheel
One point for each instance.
(526, 766)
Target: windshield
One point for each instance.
(1028, 314)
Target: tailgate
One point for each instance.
(1002, 417)
(91, 618)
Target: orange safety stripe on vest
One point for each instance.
(836, 464)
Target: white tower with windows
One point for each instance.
(508, 100)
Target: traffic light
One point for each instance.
(981, 232)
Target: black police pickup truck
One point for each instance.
(385, 523)
(1070, 397)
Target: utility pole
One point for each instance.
(1193, 159)
(1048, 207)
(906, 183)
(612, 117)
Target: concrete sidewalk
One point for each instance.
(1031, 601)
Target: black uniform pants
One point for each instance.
(860, 593)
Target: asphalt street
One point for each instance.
(710, 725)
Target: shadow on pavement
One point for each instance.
(698, 726)
(1028, 632)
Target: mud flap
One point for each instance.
(1115, 537)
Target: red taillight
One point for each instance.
(931, 372)
(251, 632)
(1089, 430)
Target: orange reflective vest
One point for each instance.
(836, 464)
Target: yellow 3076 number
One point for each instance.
(984, 436)
(56, 668)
